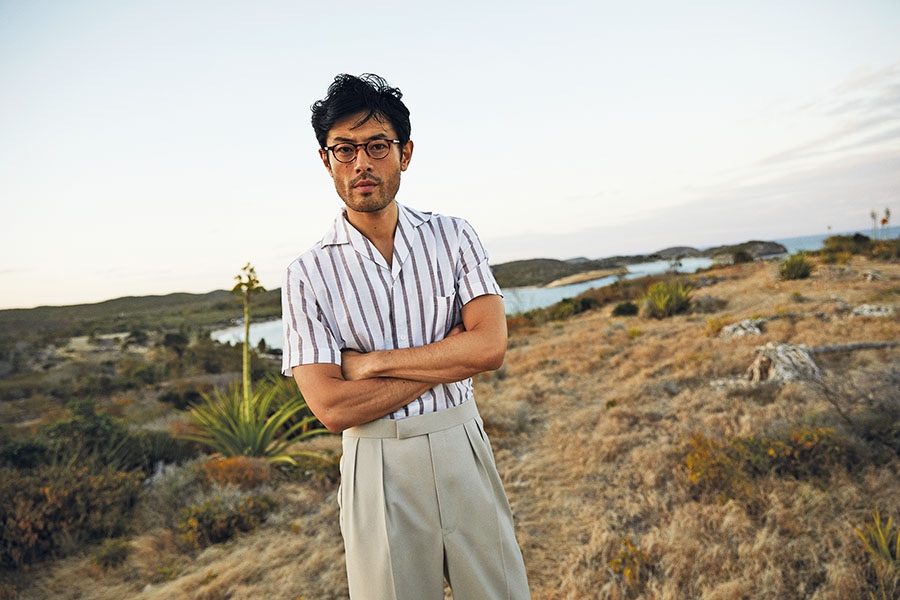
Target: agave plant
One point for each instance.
(666, 298)
(266, 425)
(882, 542)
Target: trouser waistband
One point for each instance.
(413, 426)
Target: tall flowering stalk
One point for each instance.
(246, 287)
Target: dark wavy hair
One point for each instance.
(368, 94)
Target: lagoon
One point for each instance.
(516, 300)
(523, 299)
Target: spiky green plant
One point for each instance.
(796, 266)
(666, 298)
(266, 425)
(881, 541)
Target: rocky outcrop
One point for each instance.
(755, 326)
(755, 248)
(871, 310)
(777, 362)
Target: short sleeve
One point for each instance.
(473, 271)
(307, 340)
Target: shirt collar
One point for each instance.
(408, 220)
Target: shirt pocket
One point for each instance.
(444, 310)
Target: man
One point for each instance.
(386, 319)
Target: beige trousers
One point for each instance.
(421, 500)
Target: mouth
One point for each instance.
(365, 185)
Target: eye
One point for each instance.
(342, 151)
(378, 147)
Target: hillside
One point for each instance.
(638, 460)
(213, 309)
(219, 307)
(543, 271)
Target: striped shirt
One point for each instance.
(341, 294)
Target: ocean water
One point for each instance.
(529, 298)
(817, 242)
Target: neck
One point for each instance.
(378, 227)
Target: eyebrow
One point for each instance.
(380, 136)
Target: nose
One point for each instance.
(363, 161)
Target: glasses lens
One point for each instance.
(344, 152)
(378, 148)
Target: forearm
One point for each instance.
(340, 404)
(451, 359)
(476, 346)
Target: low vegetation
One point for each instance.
(796, 266)
(638, 459)
(666, 298)
(266, 425)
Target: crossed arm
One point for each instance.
(371, 385)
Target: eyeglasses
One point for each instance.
(345, 152)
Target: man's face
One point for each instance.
(366, 184)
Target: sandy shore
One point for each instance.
(581, 277)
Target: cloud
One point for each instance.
(864, 115)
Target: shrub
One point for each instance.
(724, 468)
(886, 250)
(796, 266)
(86, 436)
(712, 469)
(666, 298)
(805, 453)
(325, 470)
(134, 372)
(741, 256)
(181, 400)
(89, 437)
(244, 472)
(111, 554)
(631, 564)
(625, 309)
(24, 453)
(568, 307)
(46, 510)
(218, 520)
(167, 492)
(146, 449)
(835, 258)
(847, 244)
(709, 304)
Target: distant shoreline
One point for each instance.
(606, 267)
(582, 277)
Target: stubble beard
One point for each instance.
(385, 193)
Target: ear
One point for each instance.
(406, 155)
(323, 154)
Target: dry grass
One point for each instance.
(588, 418)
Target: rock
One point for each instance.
(871, 310)
(782, 362)
(842, 307)
(742, 328)
(871, 275)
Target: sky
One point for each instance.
(156, 147)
